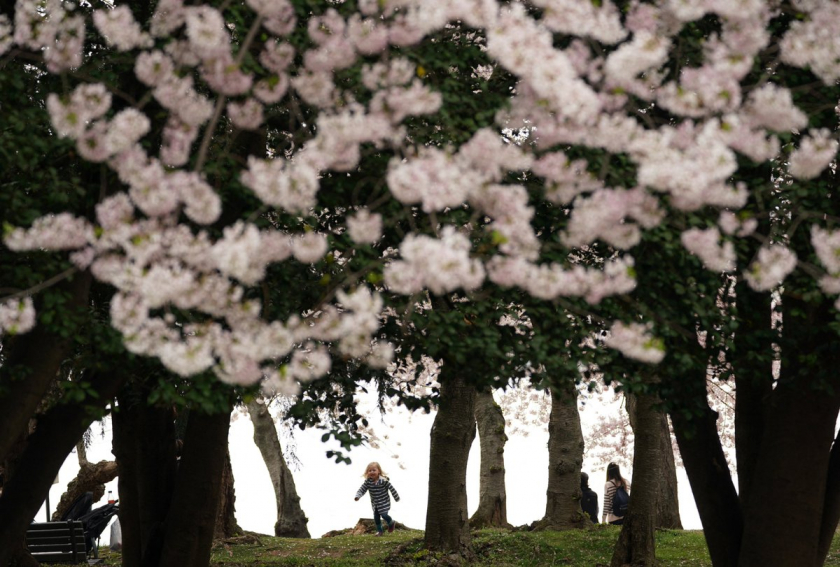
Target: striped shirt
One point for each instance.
(379, 499)
(609, 494)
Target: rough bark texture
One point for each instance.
(752, 364)
(57, 431)
(492, 503)
(565, 458)
(453, 431)
(144, 447)
(715, 495)
(291, 521)
(90, 478)
(192, 516)
(667, 504)
(784, 530)
(226, 526)
(37, 356)
(636, 544)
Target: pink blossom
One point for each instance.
(51, 232)
(17, 316)
(119, 28)
(153, 67)
(6, 36)
(772, 107)
(309, 247)
(395, 72)
(168, 16)
(771, 266)
(635, 341)
(316, 89)
(177, 139)
(247, 115)
(290, 185)
(364, 227)
(827, 246)
(206, 31)
(705, 244)
(369, 36)
(277, 56)
(813, 155)
(271, 90)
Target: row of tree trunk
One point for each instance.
(461, 409)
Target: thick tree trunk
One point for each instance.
(565, 458)
(492, 503)
(90, 478)
(57, 431)
(192, 516)
(226, 525)
(784, 515)
(668, 504)
(714, 493)
(752, 364)
(32, 362)
(831, 506)
(144, 447)
(636, 545)
(291, 521)
(453, 431)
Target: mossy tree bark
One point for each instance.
(492, 504)
(453, 431)
(668, 504)
(291, 521)
(565, 459)
(636, 544)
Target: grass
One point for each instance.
(494, 548)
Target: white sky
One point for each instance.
(326, 489)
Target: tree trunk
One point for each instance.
(668, 504)
(226, 525)
(637, 545)
(715, 495)
(492, 504)
(291, 521)
(57, 431)
(831, 506)
(192, 516)
(32, 362)
(565, 459)
(144, 447)
(752, 364)
(90, 478)
(784, 514)
(453, 431)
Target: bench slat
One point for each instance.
(53, 526)
(53, 542)
(64, 547)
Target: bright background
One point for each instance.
(326, 488)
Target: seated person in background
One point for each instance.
(588, 500)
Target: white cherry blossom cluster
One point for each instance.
(17, 316)
(827, 246)
(634, 340)
(706, 245)
(148, 239)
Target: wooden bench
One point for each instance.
(57, 542)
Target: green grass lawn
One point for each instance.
(494, 548)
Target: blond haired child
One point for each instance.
(378, 485)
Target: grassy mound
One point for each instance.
(494, 548)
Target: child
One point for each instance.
(377, 483)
